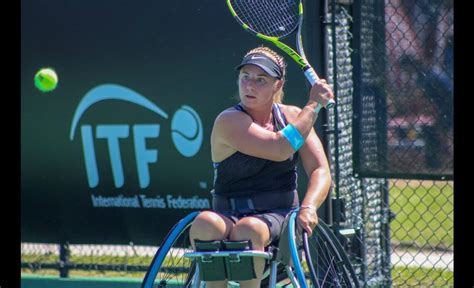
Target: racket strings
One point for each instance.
(276, 18)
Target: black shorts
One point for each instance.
(273, 218)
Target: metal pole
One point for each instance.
(64, 254)
(336, 220)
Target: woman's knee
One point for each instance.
(251, 228)
(210, 226)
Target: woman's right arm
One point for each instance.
(306, 118)
(235, 131)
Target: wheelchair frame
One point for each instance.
(321, 259)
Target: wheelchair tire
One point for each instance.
(320, 259)
(328, 264)
(169, 268)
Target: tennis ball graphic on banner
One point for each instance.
(186, 131)
(46, 79)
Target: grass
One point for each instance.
(424, 214)
(96, 259)
(421, 277)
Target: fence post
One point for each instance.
(64, 254)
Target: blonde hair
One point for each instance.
(279, 60)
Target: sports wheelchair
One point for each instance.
(296, 261)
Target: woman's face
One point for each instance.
(256, 88)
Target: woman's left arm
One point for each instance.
(316, 166)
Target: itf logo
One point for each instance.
(186, 127)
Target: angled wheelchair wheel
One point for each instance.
(169, 268)
(320, 259)
(327, 262)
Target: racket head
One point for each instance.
(272, 18)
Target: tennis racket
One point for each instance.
(273, 20)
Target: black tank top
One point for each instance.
(242, 175)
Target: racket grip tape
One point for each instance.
(311, 75)
(313, 78)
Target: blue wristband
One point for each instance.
(293, 136)
(318, 108)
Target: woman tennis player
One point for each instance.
(255, 147)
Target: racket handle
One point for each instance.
(313, 78)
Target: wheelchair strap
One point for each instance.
(239, 204)
(235, 266)
(255, 203)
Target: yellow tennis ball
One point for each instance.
(46, 79)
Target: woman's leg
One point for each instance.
(258, 232)
(209, 225)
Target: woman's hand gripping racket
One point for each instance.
(272, 20)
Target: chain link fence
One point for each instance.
(391, 150)
(390, 64)
(364, 198)
(86, 259)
